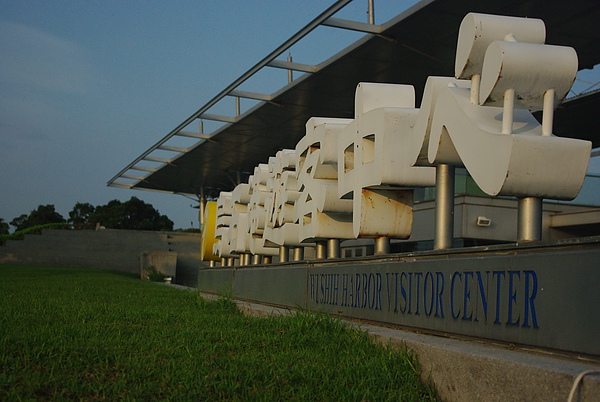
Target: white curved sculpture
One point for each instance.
(418, 144)
(257, 212)
(478, 31)
(319, 210)
(506, 151)
(351, 178)
(239, 229)
(281, 228)
(222, 246)
(377, 171)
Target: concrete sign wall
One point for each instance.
(545, 296)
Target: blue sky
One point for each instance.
(86, 87)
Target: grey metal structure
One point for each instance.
(402, 50)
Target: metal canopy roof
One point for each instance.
(416, 44)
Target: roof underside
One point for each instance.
(418, 43)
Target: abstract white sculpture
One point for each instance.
(225, 211)
(319, 210)
(377, 170)
(351, 178)
(257, 213)
(506, 151)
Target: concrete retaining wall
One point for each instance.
(109, 249)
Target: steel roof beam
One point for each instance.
(288, 65)
(251, 95)
(353, 25)
(191, 135)
(144, 169)
(154, 159)
(121, 185)
(173, 149)
(127, 176)
(215, 117)
(338, 5)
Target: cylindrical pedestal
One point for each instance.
(333, 248)
(283, 254)
(245, 259)
(321, 250)
(444, 207)
(267, 259)
(256, 259)
(382, 245)
(529, 221)
(298, 253)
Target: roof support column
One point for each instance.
(290, 72)
(371, 12)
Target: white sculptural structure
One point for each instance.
(485, 124)
(376, 171)
(352, 178)
(321, 213)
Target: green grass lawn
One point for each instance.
(70, 333)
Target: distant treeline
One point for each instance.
(134, 214)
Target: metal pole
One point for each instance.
(371, 12)
(267, 259)
(256, 259)
(283, 254)
(382, 245)
(290, 72)
(230, 262)
(201, 208)
(298, 253)
(321, 250)
(211, 264)
(548, 113)
(223, 261)
(529, 222)
(508, 111)
(333, 248)
(444, 207)
(475, 84)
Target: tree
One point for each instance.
(4, 228)
(134, 214)
(43, 215)
(81, 212)
(20, 222)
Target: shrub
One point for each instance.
(20, 235)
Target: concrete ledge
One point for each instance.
(476, 371)
(470, 371)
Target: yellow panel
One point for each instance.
(208, 232)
